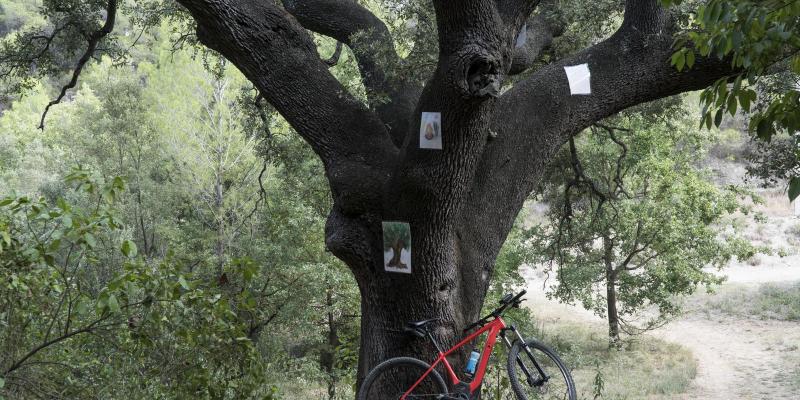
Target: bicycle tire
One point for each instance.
(433, 382)
(563, 388)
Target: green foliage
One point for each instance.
(774, 163)
(224, 206)
(761, 40)
(599, 383)
(629, 208)
(75, 294)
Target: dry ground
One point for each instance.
(738, 357)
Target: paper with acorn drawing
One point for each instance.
(430, 131)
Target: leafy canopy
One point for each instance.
(761, 39)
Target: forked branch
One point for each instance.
(93, 40)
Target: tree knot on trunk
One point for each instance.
(350, 237)
(481, 75)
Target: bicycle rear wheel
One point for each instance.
(525, 368)
(393, 377)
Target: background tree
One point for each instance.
(79, 310)
(633, 223)
(142, 121)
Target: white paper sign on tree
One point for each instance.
(397, 247)
(430, 131)
(579, 78)
(522, 37)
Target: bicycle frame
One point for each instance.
(494, 328)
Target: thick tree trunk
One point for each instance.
(445, 282)
(611, 294)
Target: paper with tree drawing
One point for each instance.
(397, 247)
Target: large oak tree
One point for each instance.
(460, 201)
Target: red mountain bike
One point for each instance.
(534, 370)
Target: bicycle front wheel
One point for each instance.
(536, 372)
(394, 377)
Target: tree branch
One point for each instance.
(93, 40)
(373, 47)
(537, 116)
(539, 35)
(645, 16)
(280, 58)
(337, 53)
(88, 328)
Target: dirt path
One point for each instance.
(738, 358)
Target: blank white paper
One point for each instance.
(579, 79)
(522, 37)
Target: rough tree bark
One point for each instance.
(461, 201)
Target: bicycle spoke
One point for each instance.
(397, 377)
(538, 375)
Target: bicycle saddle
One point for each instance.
(421, 324)
(418, 328)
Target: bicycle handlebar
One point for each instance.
(513, 302)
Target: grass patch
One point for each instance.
(645, 368)
(769, 301)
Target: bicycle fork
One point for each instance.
(538, 382)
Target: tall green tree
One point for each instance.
(633, 223)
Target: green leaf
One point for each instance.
(183, 282)
(718, 118)
(744, 100)
(690, 58)
(90, 240)
(6, 237)
(679, 60)
(795, 68)
(764, 130)
(732, 105)
(113, 304)
(129, 248)
(794, 188)
(118, 183)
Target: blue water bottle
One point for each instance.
(473, 362)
